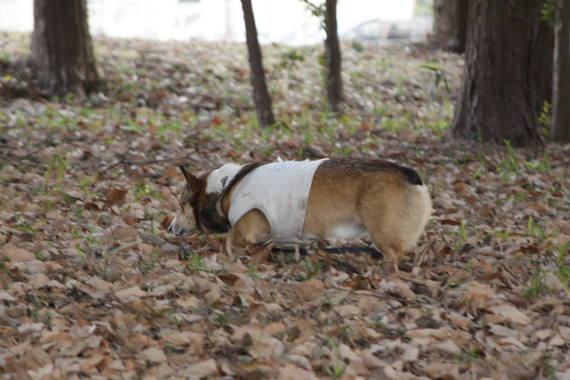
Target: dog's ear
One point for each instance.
(193, 182)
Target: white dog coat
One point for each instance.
(280, 190)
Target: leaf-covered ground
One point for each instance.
(92, 285)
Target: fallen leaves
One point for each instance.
(92, 285)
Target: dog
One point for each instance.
(296, 203)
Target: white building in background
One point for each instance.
(278, 21)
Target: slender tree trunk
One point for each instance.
(560, 130)
(495, 99)
(261, 97)
(333, 58)
(62, 50)
(450, 24)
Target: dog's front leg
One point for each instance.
(234, 250)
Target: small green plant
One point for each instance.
(56, 162)
(197, 264)
(548, 11)
(142, 190)
(537, 285)
(83, 184)
(310, 270)
(291, 58)
(562, 271)
(251, 271)
(336, 371)
(439, 75)
(147, 266)
(471, 356)
(463, 231)
(47, 318)
(543, 165)
(26, 228)
(545, 117)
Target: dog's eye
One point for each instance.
(224, 180)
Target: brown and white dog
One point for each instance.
(297, 203)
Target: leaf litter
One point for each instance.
(93, 286)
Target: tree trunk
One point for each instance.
(495, 99)
(541, 64)
(560, 130)
(450, 24)
(333, 58)
(261, 97)
(62, 50)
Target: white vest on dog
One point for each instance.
(280, 190)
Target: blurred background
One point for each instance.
(278, 21)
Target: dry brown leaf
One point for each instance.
(125, 234)
(15, 254)
(511, 313)
(266, 347)
(309, 290)
(154, 355)
(115, 197)
(133, 291)
(447, 371)
(207, 367)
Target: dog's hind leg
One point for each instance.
(392, 250)
(387, 234)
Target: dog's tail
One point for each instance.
(412, 176)
(418, 206)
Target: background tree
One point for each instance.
(333, 61)
(450, 24)
(560, 129)
(62, 49)
(261, 97)
(333, 75)
(541, 63)
(495, 98)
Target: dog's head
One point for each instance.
(198, 211)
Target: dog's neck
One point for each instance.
(225, 198)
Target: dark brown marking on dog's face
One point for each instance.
(198, 209)
(210, 219)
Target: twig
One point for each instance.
(122, 161)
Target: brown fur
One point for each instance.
(388, 200)
(374, 192)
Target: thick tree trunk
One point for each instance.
(541, 64)
(263, 105)
(62, 50)
(333, 58)
(495, 99)
(560, 130)
(450, 24)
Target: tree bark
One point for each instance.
(333, 58)
(62, 50)
(261, 97)
(541, 64)
(560, 129)
(495, 99)
(450, 24)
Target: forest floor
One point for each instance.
(93, 286)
